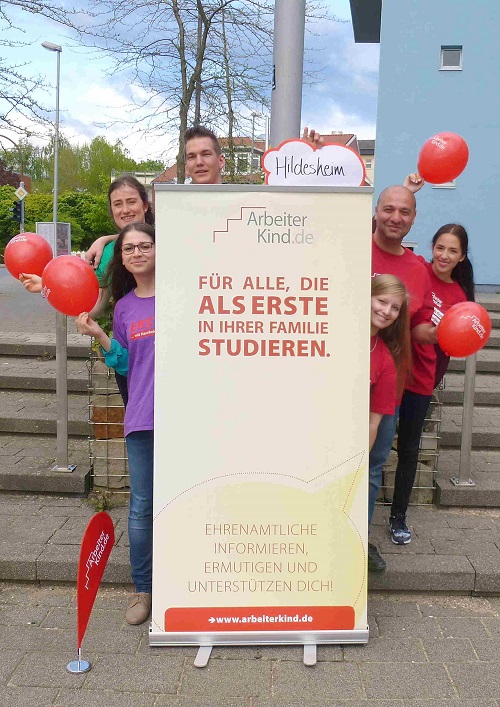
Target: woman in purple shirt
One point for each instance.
(131, 352)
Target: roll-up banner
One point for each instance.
(261, 414)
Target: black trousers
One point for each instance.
(411, 421)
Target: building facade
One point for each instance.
(440, 72)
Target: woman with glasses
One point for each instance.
(130, 352)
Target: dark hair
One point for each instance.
(119, 280)
(127, 181)
(462, 272)
(200, 131)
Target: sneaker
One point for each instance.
(400, 533)
(376, 562)
(138, 608)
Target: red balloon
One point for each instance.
(28, 253)
(464, 329)
(443, 158)
(70, 285)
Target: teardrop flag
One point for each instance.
(97, 542)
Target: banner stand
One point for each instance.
(260, 522)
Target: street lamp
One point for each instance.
(61, 324)
(55, 48)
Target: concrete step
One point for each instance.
(26, 463)
(35, 412)
(484, 471)
(25, 344)
(494, 340)
(495, 319)
(487, 389)
(39, 373)
(490, 301)
(488, 361)
(486, 427)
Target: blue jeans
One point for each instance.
(378, 457)
(140, 516)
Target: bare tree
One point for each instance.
(17, 89)
(189, 61)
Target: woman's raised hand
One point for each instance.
(32, 283)
(86, 325)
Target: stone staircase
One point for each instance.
(28, 414)
(485, 458)
(28, 419)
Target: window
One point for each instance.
(451, 58)
(242, 163)
(368, 164)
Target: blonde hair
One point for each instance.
(397, 336)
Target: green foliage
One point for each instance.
(88, 167)
(151, 166)
(101, 500)
(8, 227)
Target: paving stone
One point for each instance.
(478, 679)
(468, 548)
(492, 625)
(17, 615)
(38, 528)
(471, 521)
(139, 673)
(387, 650)
(488, 650)
(472, 628)
(12, 593)
(65, 617)
(442, 605)
(449, 650)
(229, 678)
(103, 698)
(325, 680)
(18, 560)
(413, 680)
(400, 627)
(29, 638)
(459, 702)
(487, 574)
(47, 669)
(332, 702)
(27, 696)
(10, 659)
(392, 606)
(215, 701)
(424, 573)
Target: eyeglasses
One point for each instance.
(145, 247)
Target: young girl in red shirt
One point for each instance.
(390, 350)
(390, 360)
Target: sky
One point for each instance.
(340, 97)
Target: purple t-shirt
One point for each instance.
(134, 329)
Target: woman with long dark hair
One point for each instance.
(452, 281)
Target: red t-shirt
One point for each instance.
(444, 296)
(428, 370)
(413, 274)
(383, 378)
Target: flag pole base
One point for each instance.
(78, 666)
